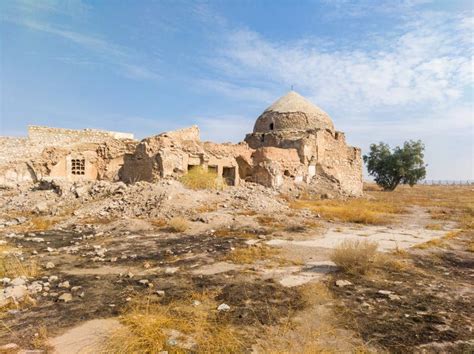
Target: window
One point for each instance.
(271, 126)
(78, 166)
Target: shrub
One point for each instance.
(178, 224)
(199, 178)
(355, 257)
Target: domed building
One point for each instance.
(292, 112)
(293, 142)
(294, 124)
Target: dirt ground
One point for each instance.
(270, 264)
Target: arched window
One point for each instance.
(271, 126)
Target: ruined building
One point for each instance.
(72, 155)
(293, 142)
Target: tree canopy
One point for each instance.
(400, 165)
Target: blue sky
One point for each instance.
(384, 70)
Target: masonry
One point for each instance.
(293, 142)
(52, 152)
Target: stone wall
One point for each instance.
(48, 152)
(340, 162)
(60, 136)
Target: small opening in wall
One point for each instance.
(212, 168)
(262, 138)
(271, 126)
(78, 166)
(287, 173)
(191, 167)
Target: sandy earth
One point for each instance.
(112, 259)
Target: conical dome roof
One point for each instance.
(292, 112)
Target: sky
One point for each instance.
(384, 70)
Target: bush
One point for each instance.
(178, 224)
(355, 257)
(199, 178)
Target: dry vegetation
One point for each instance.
(440, 242)
(270, 221)
(252, 254)
(360, 211)
(11, 266)
(190, 324)
(443, 202)
(355, 257)
(200, 178)
(178, 224)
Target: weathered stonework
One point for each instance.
(51, 152)
(294, 123)
(293, 141)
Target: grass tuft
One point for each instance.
(200, 178)
(355, 257)
(12, 266)
(178, 224)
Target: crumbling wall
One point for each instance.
(172, 154)
(60, 136)
(341, 162)
(32, 158)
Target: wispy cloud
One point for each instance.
(241, 92)
(429, 62)
(123, 58)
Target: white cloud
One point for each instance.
(430, 61)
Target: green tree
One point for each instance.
(402, 165)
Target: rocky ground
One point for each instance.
(75, 257)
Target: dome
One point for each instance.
(292, 112)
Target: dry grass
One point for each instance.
(199, 178)
(95, 220)
(178, 224)
(270, 221)
(207, 208)
(355, 257)
(315, 330)
(12, 266)
(252, 254)
(158, 222)
(148, 326)
(439, 242)
(247, 212)
(360, 211)
(470, 246)
(234, 232)
(40, 340)
(445, 202)
(434, 227)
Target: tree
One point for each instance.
(402, 165)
